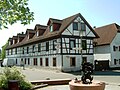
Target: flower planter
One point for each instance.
(95, 85)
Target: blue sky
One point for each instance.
(96, 12)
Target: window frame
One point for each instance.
(47, 46)
(84, 44)
(75, 25)
(83, 26)
(74, 43)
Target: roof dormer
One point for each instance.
(30, 33)
(54, 24)
(15, 38)
(10, 41)
(40, 29)
(21, 36)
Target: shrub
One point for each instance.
(14, 74)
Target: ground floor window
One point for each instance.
(28, 61)
(54, 61)
(25, 60)
(115, 61)
(35, 61)
(72, 61)
(16, 61)
(41, 62)
(46, 61)
(84, 59)
(119, 61)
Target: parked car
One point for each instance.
(8, 62)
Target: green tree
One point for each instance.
(3, 52)
(12, 11)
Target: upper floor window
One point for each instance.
(84, 44)
(27, 50)
(23, 50)
(72, 44)
(115, 48)
(75, 25)
(83, 26)
(39, 47)
(7, 52)
(54, 42)
(47, 46)
(51, 28)
(33, 49)
(11, 51)
(15, 50)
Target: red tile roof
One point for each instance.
(106, 34)
(49, 35)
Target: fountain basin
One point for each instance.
(95, 85)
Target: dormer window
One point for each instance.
(51, 28)
(28, 36)
(37, 33)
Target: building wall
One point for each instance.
(115, 54)
(63, 53)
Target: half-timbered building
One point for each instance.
(62, 44)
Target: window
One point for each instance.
(115, 61)
(16, 61)
(8, 52)
(41, 62)
(11, 51)
(84, 59)
(114, 48)
(39, 47)
(51, 28)
(47, 46)
(84, 45)
(37, 33)
(35, 61)
(72, 44)
(15, 50)
(33, 49)
(25, 60)
(119, 48)
(72, 61)
(54, 61)
(23, 50)
(28, 61)
(75, 25)
(83, 27)
(54, 41)
(27, 50)
(46, 61)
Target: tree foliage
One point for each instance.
(3, 53)
(12, 11)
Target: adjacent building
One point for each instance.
(107, 47)
(62, 44)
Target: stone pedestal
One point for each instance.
(95, 85)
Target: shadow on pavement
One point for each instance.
(104, 73)
(107, 73)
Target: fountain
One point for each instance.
(86, 82)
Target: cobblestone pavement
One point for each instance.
(111, 78)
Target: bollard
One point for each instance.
(13, 85)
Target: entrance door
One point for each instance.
(101, 65)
